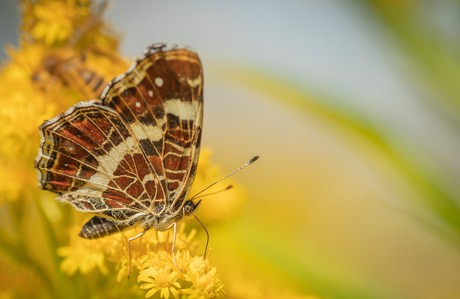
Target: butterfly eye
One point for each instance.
(190, 207)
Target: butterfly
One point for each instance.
(130, 157)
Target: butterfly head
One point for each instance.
(190, 207)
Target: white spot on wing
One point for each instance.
(138, 104)
(159, 81)
(150, 93)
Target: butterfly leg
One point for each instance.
(129, 249)
(174, 247)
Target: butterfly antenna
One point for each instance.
(212, 193)
(207, 236)
(228, 175)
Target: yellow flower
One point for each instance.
(158, 279)
(151, 256)
(34, 90)
(84, 255)
(196, 279)
(24, 108)
(205, 282)
(53, 21)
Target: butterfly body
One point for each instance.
(130, 157)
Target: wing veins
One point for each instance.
(141, 150)
(101, 164)
(113, 145)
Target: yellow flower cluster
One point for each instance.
(23, 109)
(52, 22)
(152, 259)
(38, 82)
(196, 278)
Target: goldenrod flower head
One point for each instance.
(84, 255)
(152, 257)
(34, 90)
(53, 21)
(160, 279)
(24, 109)
(204, 280)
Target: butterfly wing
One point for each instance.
(161, 99)
(136, 151)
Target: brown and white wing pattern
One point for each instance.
(135, 151)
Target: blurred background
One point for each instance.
(354, 108)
